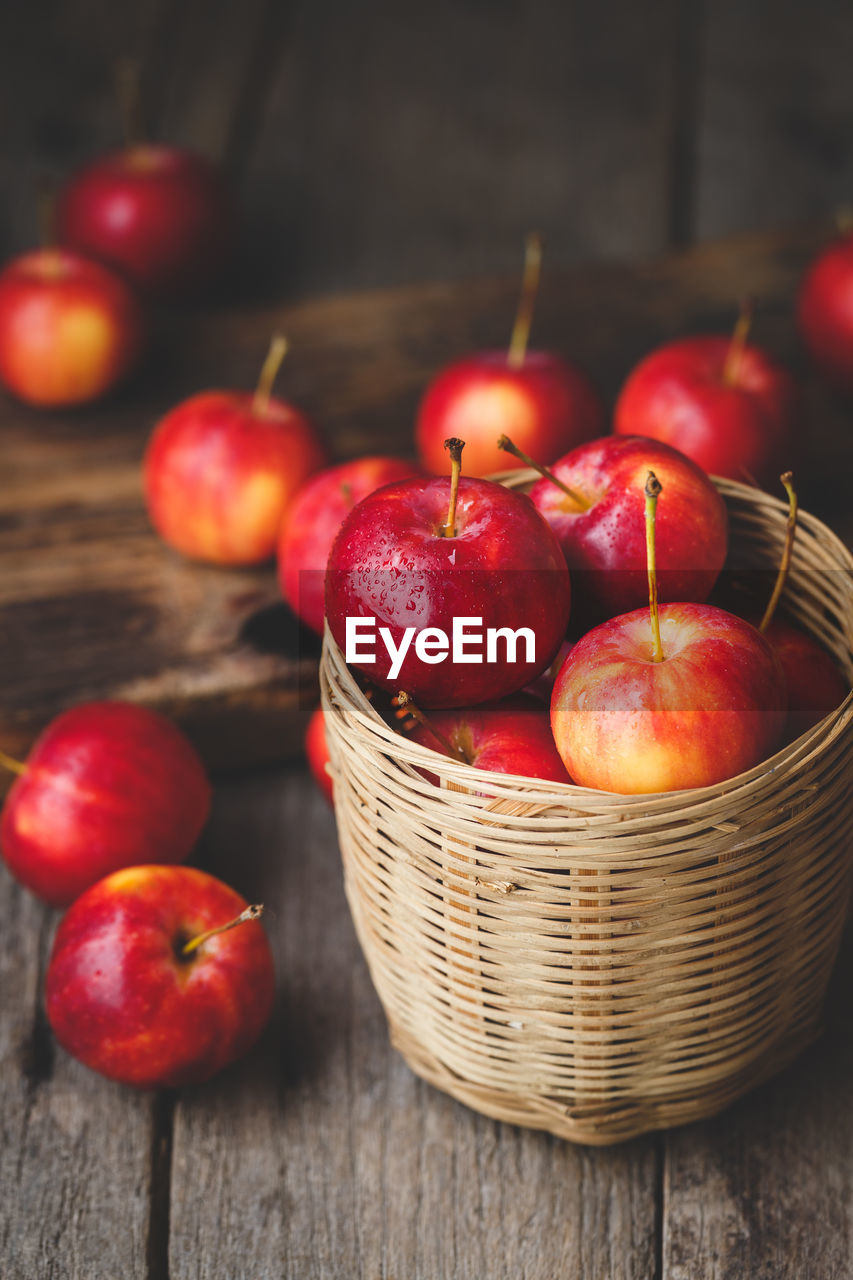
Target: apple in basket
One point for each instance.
(593, 500)
(540, 399)
(668, 697)
(511, 736)
(454, 589)
(726, 404)
(815, 685)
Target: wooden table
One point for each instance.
(321, 1155)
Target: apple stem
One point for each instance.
(734, 355)
(527, 300)
(13, 765)
(454, 447)
(269, 373)
(129, 104)
(506, 444)
(409, 708)
(653, 492)
(346, 491)
(253, 912)
(787, 479)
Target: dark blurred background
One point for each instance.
(378, 142)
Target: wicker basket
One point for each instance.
(600, 965)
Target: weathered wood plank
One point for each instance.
(406, 142)
(776, 98)
(323, 1156)
(765, 1190)
(75, 1151)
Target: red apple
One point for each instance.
(418, 561)
(317, 752)
(160, 215)
(728, 405)
(222, 467)
(537, 397)
(312, 522)
(107, 785)
(69, 328)
(511, 736)
(825, 312)
(601, 526)
(814, 683)
(711, 708)
(126, 994)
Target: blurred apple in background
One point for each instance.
(69, 328)
(143, 988)
(222, 467)
(107, 785)
(593, 500)
(726, 404)
(825, 312)
(313, 520)
(317, 753)
(159, 215)
(537, 397)
(510, 736)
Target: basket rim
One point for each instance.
(514, 788)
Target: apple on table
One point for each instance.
(311, 523)
(159, 977)
(106, 785)
(825, 311)
(160, 215)
(545, 403)
(317, 753)
(222, 467)
(70, 329)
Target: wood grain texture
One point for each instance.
(765, 1189)
(400, 143)
(75, 1151)
(773, 140)
(323, 1156)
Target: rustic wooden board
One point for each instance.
(322, 1156)
(91, 604)
(76, 1153)
(764, 1190)
(774, 102)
